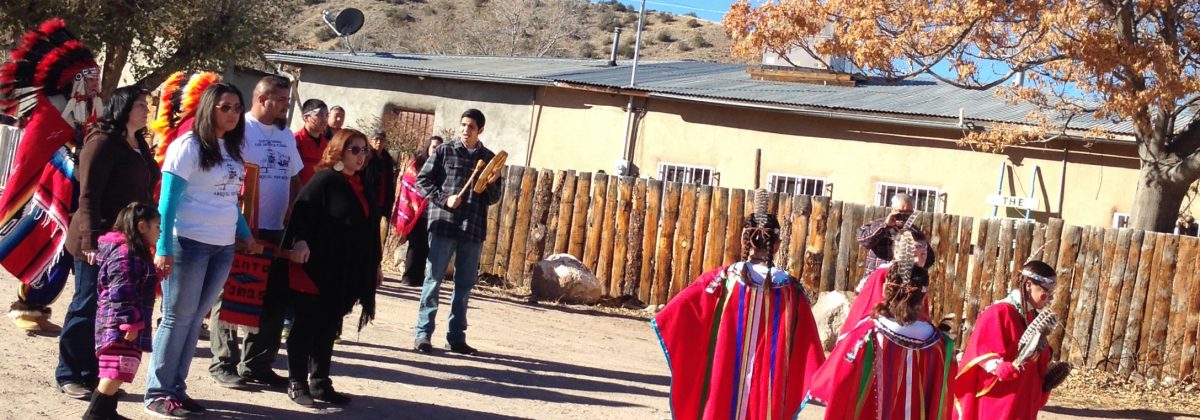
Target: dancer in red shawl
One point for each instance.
(50, 86)
(741, 341)
(871, 288)
(992, 382)
(892, 365)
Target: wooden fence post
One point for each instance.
(1185, 278)
(1160, 293)
(508, 217)
(682, 251)
(1110, 297)
(801, 209)
(520, 237)
(1068, 251)
(555, 208)
(1125, 299)
(608, 229)
(621, 240)
(579, 215)
(1004, 260)
(1188, 365)
(833, 239)
(535, 247)
(700, 232)
(1150, 253)
(637, 228)
(851, 219)
(718, 215)
(666, 238)
(653, 208)
(814, 248)
(733, 226)
(566, 209)
(595, 224)
(1085, 305)
(783, 212)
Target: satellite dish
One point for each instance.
(348, 21)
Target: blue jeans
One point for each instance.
(77, 341)
(466, 272)
(195, 284)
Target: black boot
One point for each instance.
(103, 407)
(322, 389)
(298, 392)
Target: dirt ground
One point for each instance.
(537, 362)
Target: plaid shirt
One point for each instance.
(444, 175)
(876, 236)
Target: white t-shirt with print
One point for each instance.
(274, 151)
(208, 210)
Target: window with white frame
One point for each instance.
(685, 174)
(1120, 220)
(924, 198)
(796, 185)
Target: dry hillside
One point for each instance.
(550, 28)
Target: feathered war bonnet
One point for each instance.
(47, 61)
(178, 99)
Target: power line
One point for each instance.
(719, 12)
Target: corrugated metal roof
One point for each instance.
(700, 80)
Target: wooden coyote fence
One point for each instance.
(1129, 300)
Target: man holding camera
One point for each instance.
(876, 235)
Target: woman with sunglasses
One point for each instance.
(334, 234)
(202, 176)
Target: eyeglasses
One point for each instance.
(354, 150)
(227, 107)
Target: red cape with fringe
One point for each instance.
(870, 376)
(978, 393)
(738, 351)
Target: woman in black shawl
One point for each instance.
(334, 235)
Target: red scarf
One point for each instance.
(357, 186)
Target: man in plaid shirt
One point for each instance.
(877, 234)
(457, 226)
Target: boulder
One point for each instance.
(563, 278)
(830, 312)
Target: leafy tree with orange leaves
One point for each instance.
(1134, 61)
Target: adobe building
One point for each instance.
(717, 124)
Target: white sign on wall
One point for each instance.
(1009, 201)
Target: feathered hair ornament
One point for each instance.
(178, 98)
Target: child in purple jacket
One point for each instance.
(125, 303)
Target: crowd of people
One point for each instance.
(741, 340)
(164, 204)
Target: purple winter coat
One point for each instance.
(125, 299)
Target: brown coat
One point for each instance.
(111, 175)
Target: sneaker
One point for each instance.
(75, 390)
(422, 345)
(166, 408)
(266, 377)
(193, 407)
(298, 392)
(462, 348)
(228, 379)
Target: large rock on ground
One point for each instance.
(830, 312)
(563, 278)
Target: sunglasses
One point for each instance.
(227, 107)
(354, 150)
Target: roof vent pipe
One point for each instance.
(612, 56)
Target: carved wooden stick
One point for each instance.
(471, 180)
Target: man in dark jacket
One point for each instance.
(457, 226)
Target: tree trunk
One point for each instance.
(1157, 200)
(116, 54)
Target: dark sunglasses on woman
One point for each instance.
(355, 150)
